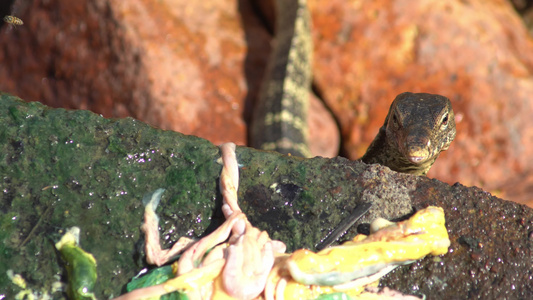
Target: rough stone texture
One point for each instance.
(63, 168)
(195, 67)
(492, 240)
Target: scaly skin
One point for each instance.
(417, 128)
(279, 120)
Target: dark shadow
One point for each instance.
(258, 37)
(5, 10)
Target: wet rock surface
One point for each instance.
(491, 242)
(74, 168)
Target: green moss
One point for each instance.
(74, 168)
(91, 172)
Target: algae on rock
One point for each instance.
(64, 168)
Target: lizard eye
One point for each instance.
(444, 122)
(395, 120)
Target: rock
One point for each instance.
(196, 67)
(74, 168)
(487, 236)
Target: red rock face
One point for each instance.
(196, 67)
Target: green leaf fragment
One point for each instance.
(155, 277)
(80, 265)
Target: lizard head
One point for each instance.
(420, 126)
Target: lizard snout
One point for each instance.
(417, 149)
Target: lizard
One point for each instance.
(279, 118)
(417, 128)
